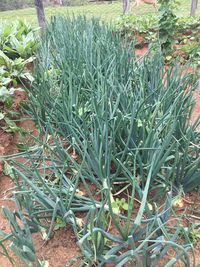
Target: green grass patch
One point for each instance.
(107, 12)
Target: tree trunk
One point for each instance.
(193, 8)
(125, 7)
(59, 2)
(40, 13)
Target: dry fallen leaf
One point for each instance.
(150, 206)
(178, 203)
(80, 193)
(80, 222)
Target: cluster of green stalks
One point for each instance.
(109, 121)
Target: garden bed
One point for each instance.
(145, 30)
(111, 141)
(62, 246)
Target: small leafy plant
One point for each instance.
(18, 40)
(167, 25)
(17, 46)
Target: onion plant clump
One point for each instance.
(114, 110)
(122, 126)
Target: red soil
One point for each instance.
(142, 51)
